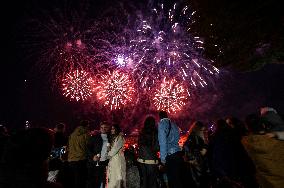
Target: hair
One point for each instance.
(104, 123)
(223, 130)
(148, 133)
(3, 130)
(196, 127)
(60, 127)
(163, 114)
(84, 123)
(237, 126)
(117, 132)
(253, 123)
(117, 128)
(221, 125)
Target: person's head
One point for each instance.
(85, 123)
(104, 127)
(221, 125)
(271, 120)
(237, 126)
(163, 114)
(264, 110)
(32, 146)
(3, 131)
(253, 123)
(60, 127)
(115, 129)
(149, 123)
(197, 128)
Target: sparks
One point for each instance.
(77, 85)
(171, 96)
(164, 48)
(115, 90)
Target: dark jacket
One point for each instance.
(94, 147)
(60, 139)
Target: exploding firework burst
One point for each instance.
(163, 47)
(58, 41)
(170, 97)
(111, 44)
(77, 85)
(115, 90)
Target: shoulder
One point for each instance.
(96, 138)
(163, 122)
(120, 136)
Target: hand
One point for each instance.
(108, 147)
(162, 167)
(203, 151)
(96, 157)
(193, 162)
(270, 135)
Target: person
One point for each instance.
(97, 153)
(132, 170)
(272, 122)
(196, 157)
(266, 152)
(148, 148)
(59, 150)
(25, 160)
(229, 162)
(237, 127)
(4, 135)
(77, 153)
(60, 139)
(170, 152)
(116, 172)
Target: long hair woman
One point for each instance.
(116, 172)
(195, 149)
(148, 147)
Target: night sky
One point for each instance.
(249, 34)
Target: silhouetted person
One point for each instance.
(24, 163)
(60, 139)
(4, 135)
(170, 152)
(58, 170)
(147, 155)
(229, 161)
(77, 154)
(196, 156)
(116, 171)
(97, 161)
(266, 152)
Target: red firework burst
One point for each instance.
(77, 85)
(115, 90)
(170, 97)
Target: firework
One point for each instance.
(77, 85)
(59, 42)
(115, 90)
(170, 97)
(162, 46)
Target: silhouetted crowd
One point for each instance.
(230, 153)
